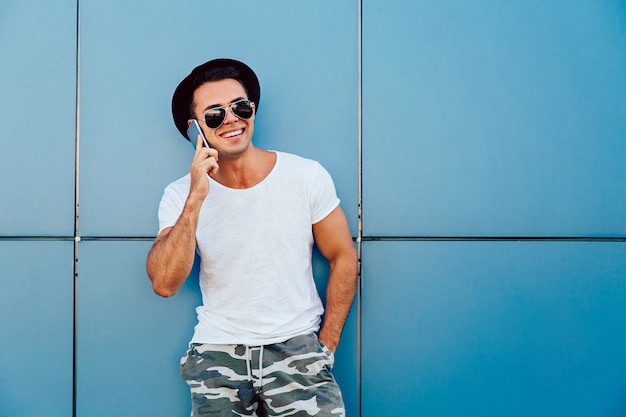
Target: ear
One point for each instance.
(189, 122)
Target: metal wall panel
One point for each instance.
(134, 55)
(491, 118)
(130, 340)
(37, 117)
(494, 328)
(36, 346)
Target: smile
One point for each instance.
(233, 133)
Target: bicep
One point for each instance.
(332, 236)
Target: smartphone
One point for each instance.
(192, 133)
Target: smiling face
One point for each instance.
(234, 137)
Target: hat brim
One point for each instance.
(183, 95)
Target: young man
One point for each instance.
(259, 347)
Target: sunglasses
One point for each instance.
(215, 116)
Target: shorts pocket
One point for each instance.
(185, 361)
(329, 354)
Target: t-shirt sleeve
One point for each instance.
(323, 194)
(170, 208)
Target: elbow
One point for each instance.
(160, 284)
(163, 291)
(348, 265)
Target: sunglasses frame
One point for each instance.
(225, 110)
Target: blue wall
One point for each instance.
(494, 208)
(493, 228)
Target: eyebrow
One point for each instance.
(213, 106)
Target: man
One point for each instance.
(259, 347)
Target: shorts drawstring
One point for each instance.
(249, 350)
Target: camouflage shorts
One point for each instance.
(292, 378)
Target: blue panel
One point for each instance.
(491, 118)
(36, 346)
(134, 54)
(129, 340)
(494, 329)
(37, 113)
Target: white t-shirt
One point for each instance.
(255, 247)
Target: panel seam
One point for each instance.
(76, 211)
(359, 237)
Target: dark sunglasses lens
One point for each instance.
(214, 117)
(242, 109)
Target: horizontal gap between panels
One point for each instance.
(363, 238)
(493, 238)
(37, 238)
(117, 238)
(76, 238)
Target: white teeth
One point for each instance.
(233, 133)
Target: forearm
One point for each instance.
(172, 255)
(340, 293)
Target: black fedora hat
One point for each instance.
(183, 95)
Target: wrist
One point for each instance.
(195, 200)
(329, 340)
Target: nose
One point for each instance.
(231, 117)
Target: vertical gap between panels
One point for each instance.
(360, 197)
(76, 207)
